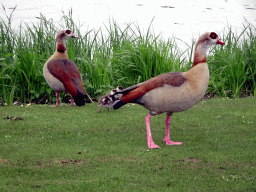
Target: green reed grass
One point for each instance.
(115, 55)
(233, 66)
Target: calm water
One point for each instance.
(184, 19)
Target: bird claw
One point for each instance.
(153, 146)
(169, 142)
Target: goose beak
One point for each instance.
(74, 36)
(220, 42)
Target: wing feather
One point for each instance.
(67, 72)
(175, 79)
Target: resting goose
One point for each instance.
(62, 74)
(172, 92)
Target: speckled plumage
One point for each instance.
(107, 101)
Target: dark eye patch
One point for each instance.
(68, 31)
(213, 35)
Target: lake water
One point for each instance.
(184, 19)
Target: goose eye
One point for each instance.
(68, 31)
(213, 35)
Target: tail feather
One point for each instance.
(79, 99)
(118, 104)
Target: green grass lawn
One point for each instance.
(77, 149)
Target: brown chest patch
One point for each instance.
(175, 79)
(61, 48)
(198, 59)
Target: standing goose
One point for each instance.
(172, 92)
(62, 74)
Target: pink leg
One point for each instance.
(167, 133)
(151, 143)
(57, 99)
(72, 101)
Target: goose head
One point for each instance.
(62, 36)
(204, 42)
(65, 34)
(208, 39)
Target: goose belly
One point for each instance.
(53, 82)
(172, 99)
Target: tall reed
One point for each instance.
(233, 66)
(115, 55)
(139, 57)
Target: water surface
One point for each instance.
(184, 19)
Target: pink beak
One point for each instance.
(73, 36)
(220, 42)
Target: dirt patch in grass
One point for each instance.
(5, 162)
